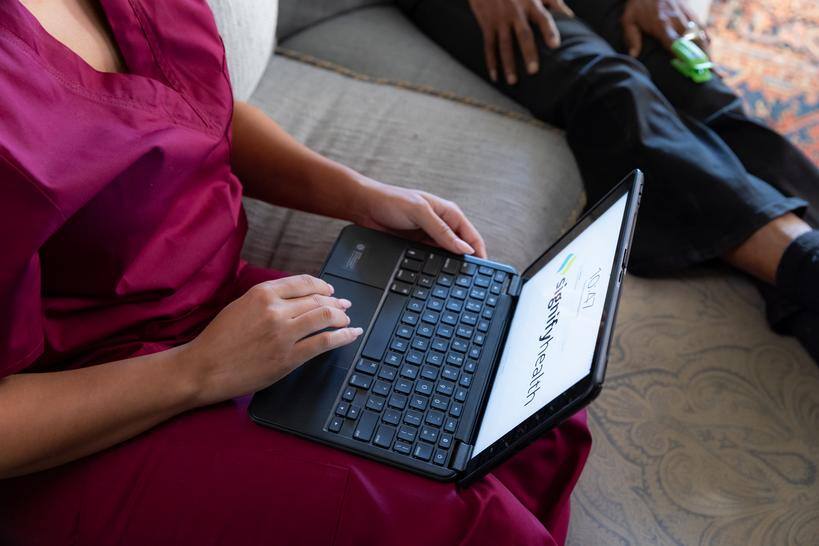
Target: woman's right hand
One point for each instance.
(265, 334)
(501, 20)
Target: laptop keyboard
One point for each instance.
(406, 393)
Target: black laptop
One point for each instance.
(464, 361)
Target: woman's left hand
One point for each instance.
(417, 215)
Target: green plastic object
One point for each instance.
(691, 61)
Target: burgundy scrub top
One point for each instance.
(121, 227)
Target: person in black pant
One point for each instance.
(719, 184)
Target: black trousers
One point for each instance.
(713, 174)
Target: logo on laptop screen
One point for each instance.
(567, 264)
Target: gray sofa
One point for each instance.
(707, 429)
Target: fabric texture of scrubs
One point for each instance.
(121, 227)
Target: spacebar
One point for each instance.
(384, 325)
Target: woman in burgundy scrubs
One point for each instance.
(130, 329)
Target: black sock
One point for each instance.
(797, 276)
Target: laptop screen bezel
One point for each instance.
(578, 395)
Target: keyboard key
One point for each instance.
(459, 345)
(440, 292)
(482, 280)
(483, 326)
(440, 344)
(488, 313)
(407, 276)
(393, 359)
(410, 372)
(466, 282)
(399, 345)
(410, 318)
(420, 293)
(375, 403)
(435, 304)
(412, 265)
(435, 418)
(413, 418)
(366, 426)
(445, 441)
(465, 381)
(379, 336)
(450, 373)
(418, 402)
(414, 357)
(397, 401)
(429, 434)
(445, 388)
(474, 352)
(391, 416)
(496, 288)
(455, 359)
(354, 412)
(420, 343)
(424, 330)
(403, 386)
(422, 451)
(342, 408)
(460, 394)
(423, 387)
(402, 448)
(436, 359)
(455, 410)
(407, 433)
(381, 388)
(469, 318)
(415, 305)
(464, 331)
(468, 268)
(430, 317)
(415, 254)
(428, 372)
(426, 281)
(448, 317)
(451, 266)
(348, 394)
(477, 293)
(500, 276)
(367, 366)
(491, 301)
(479, 339)
(383, 437)
(361, 381)
(450, 425)
(473, 306)
(439, 458)
(471, 366)
(484, 270)
(335, 424)
(445, 280)
(404, 331)
(444, 330)
(439, 403)
(401, 288)
(433, 264)
(458, 292)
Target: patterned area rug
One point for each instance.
(769, 52)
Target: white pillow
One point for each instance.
(248, 29)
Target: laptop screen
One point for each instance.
(553, 334)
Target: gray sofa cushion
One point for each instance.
(517, 181)
(295, 15)
(381, 43)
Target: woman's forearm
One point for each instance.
(47, 419)
(276, 168)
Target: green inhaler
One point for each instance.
(690, 60)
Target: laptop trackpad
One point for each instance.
(365, 300)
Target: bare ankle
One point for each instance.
(761, 253)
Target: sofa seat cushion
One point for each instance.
(516, 180)
(296, 15)
(380, 42)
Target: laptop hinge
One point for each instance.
(462, 455)
(514, 286)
